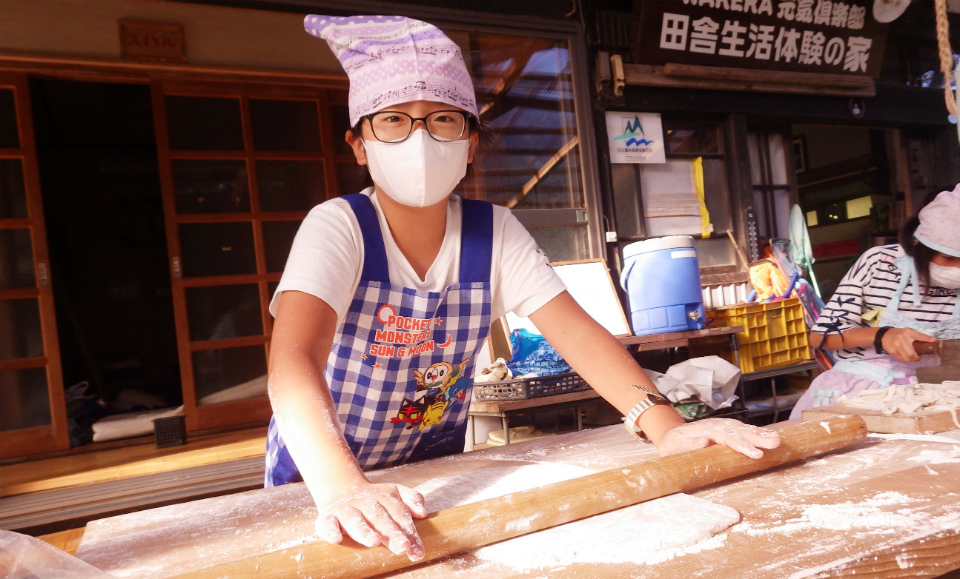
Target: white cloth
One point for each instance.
(868, 286)
(117, 426)
(710, 379)
(327, 256)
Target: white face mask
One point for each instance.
(420, 171)
(945, 276)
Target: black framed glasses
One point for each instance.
(396, 127)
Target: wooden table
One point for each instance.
(901, 494)
(682, 339)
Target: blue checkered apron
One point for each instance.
(401, 366)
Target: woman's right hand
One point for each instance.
(375, 514)
(898, 342)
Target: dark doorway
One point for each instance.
(847, 194)
(108, 253)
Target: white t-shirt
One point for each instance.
(326, 260)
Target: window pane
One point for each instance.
(768, 161)
(566, 243)
(25, 400)
(341, 124)
(228, 311)
(290, 185)
(525, 88)
(353, 178)
(9, 134)
(211, 186)
(242, 368)
(277, 239)
(16, 259)
(217, 249)
(716, 195)
(20, 335)
(696, 140)
(715, 251)
(557, 189)
(670, 204)
(285, 125)
(204, 123)
(13, 194)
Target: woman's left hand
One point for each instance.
(743, 438)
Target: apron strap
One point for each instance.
(908, 273)
(476, 241)
(374, 254)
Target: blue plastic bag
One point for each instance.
(532, 354)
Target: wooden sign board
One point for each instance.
(928, 422)
(152, 42)
(841, 38)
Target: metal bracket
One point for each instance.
(619, 79)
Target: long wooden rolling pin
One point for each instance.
(471, 526)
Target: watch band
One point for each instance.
(653, 398)
(878, 339)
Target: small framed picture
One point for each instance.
(800, 154)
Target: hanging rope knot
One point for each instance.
(946, 55)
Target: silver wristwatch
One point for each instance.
(653, 398)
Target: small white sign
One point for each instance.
(635, 137)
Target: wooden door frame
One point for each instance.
(56, 435)
(15, 71)
(255, 410)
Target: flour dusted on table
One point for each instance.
(646, 533)
(649, 532)
(445, 492)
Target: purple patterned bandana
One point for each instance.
(395, 59)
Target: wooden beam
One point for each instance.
(96, 69)
(766, 76)
(543, 171)
(474, 525)
(649, 75)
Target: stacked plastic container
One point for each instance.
(774, 333)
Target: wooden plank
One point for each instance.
(65, 540)
(649, 75)
(677, 336)
(74, 470)
(469, 526)
(75, 506)
(925, 422)
(775, 76)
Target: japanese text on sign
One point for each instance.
(816, 35)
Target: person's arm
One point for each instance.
(841, 325)
(898, 342)
(305, 412)
(609, 368)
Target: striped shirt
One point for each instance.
(868, 286)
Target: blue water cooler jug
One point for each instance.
(662, 279)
